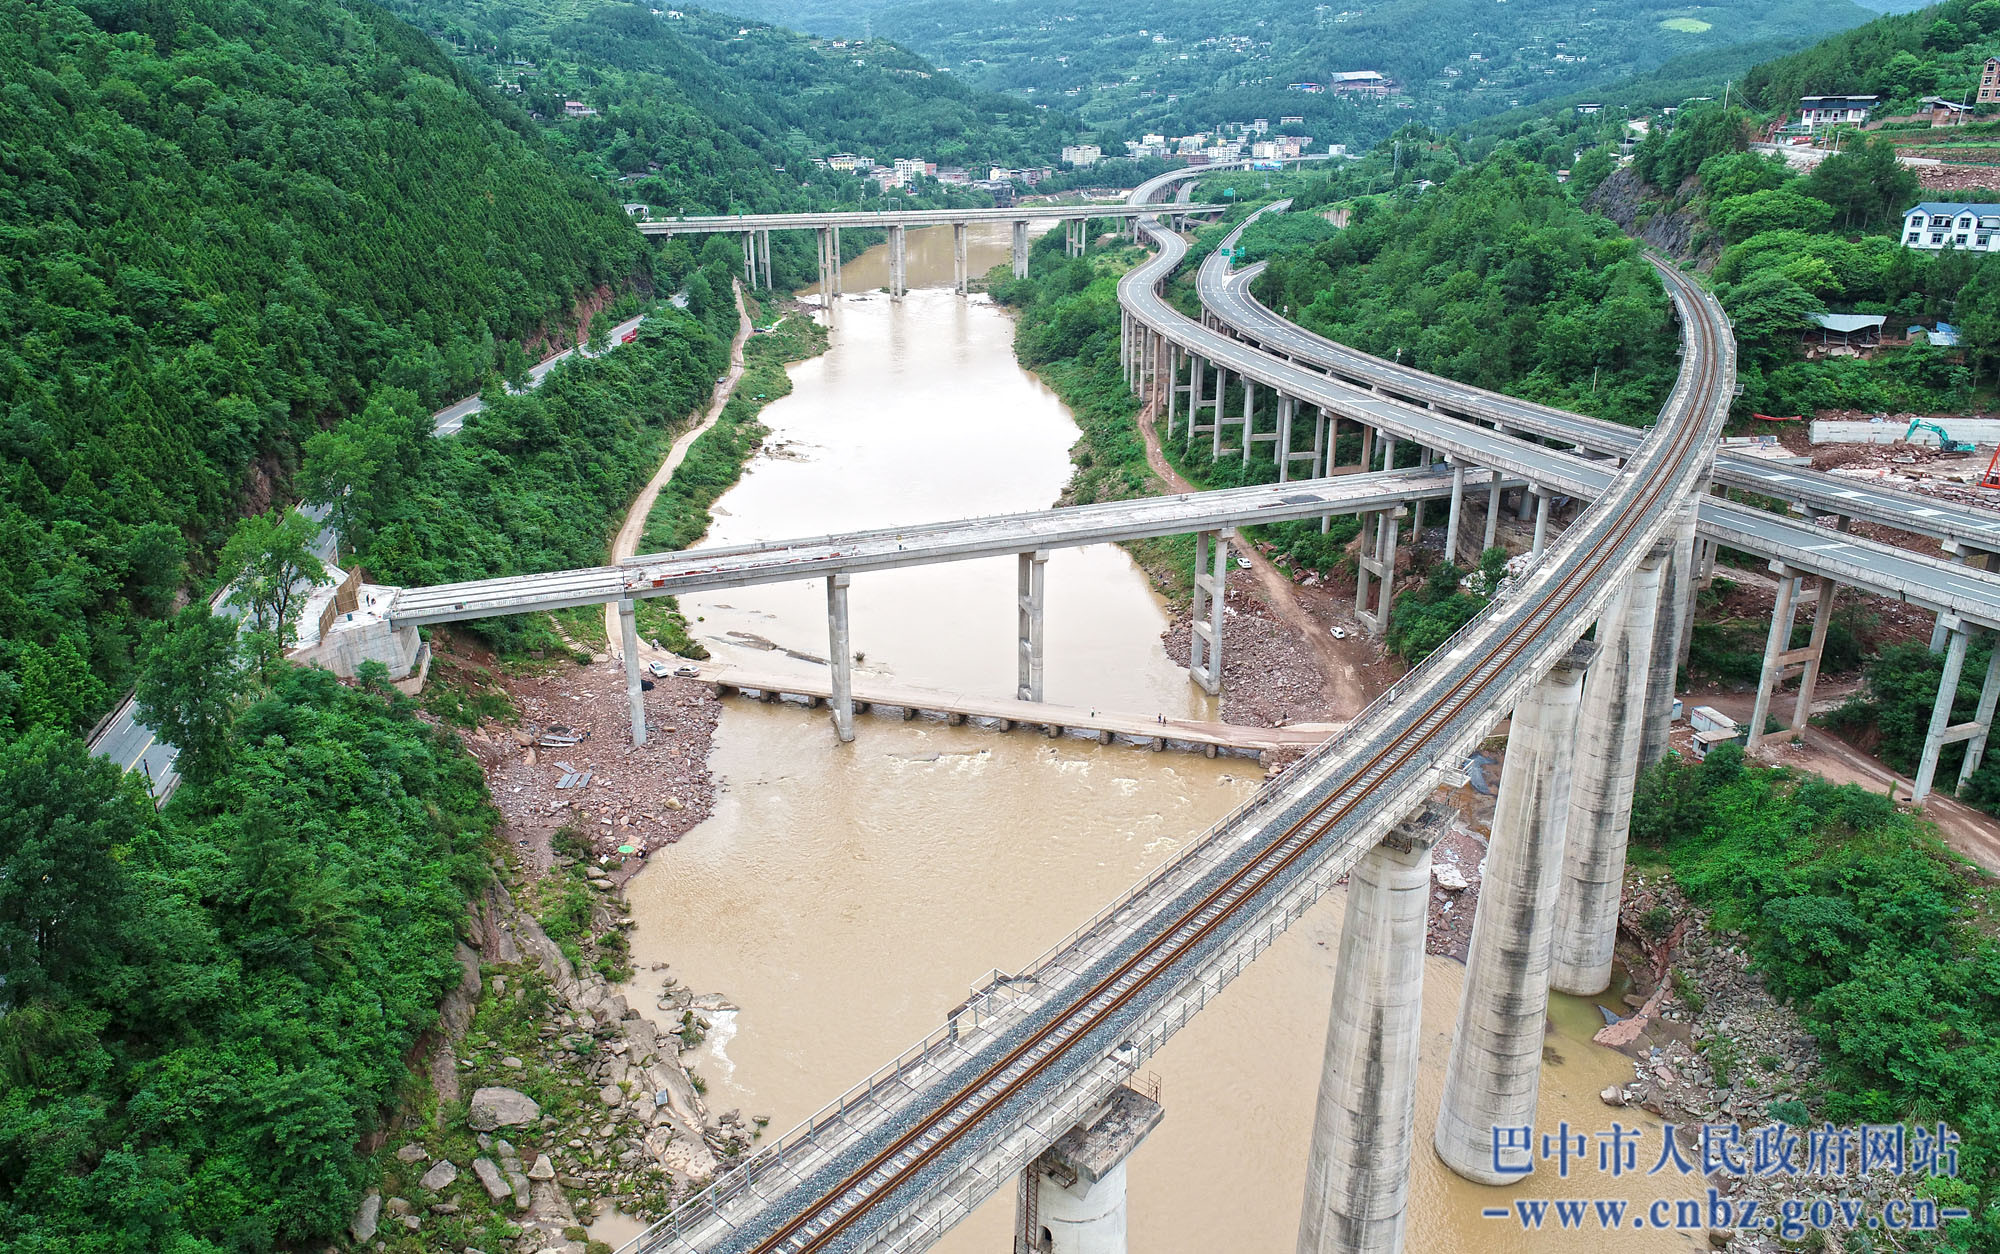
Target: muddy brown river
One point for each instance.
(845, 897)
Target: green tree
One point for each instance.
(1866, 185)
(356, 469)
(190, 686)
(68, 821)
(271, 568)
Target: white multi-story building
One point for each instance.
(848, 161)
(1936, 225)
(1818, 111)
(1082, 156)
(910, 169)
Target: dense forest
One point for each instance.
(1494, 277)
(227, 223)
(724, 115)
(1177, 65)
(1855, 913)
(1901, 59)
(203, 1012)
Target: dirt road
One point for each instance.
(626, 542)
(1343, 691)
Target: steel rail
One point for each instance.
(951, 1120)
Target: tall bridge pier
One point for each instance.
(1494, 1075)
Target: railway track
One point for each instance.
(1533, 628)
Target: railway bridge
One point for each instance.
(1027, 1085)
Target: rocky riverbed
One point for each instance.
(1711, 1045)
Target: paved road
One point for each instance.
(136, 747)
(1228, 297)
(783, 561)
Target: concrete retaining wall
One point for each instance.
(1976, 430)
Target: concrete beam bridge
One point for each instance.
(1810, 554)
(1039, 1058)
(756, 228)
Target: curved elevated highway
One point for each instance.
(1226, 295)
(906, 1155)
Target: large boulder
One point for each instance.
(489, 1175)
(441, 1174)
(366, 1217)
(495, 1107)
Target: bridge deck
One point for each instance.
(721, 223)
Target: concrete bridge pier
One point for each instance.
(1781, 661)
(1493, 495)
(1379, 534)
(1211, 574)
(1676, 613)
(750, 259)
(1197, 388)
(898, 262)
(1071, 1200)
(1020, 250)
(1456, 510)
(764, 256)
(840, 658)
(635, 690)
(829, 265)
(1541, 499)
(1173, 382)
(836, 263)
(1358, 1171)
(1031, 596)
(1493, 1078)
(1367, 448)
(1250, 435)
(1606, 766)
(1942, 731)
(961, 274)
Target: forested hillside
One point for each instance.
(1496, 278)
(1903, 58)
(726, 115)
(1178, 64)
(225, 225)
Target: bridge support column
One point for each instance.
(1173, 385)
(960, 271)
(1197, 384)
(1676, 610)
(1071, 1200)
(1367, 448)
(1388, 451)
(1541, 496)
(1493, 495)
(750, 259)
(836, 263)
(764, 256)
(898, 261)
(1781, 661)
(829, 265)
(1493, 1078)
(635, 691)
(1453, 514)
(1218, 418)
(840, 658)
(1249, 418)
(1031, 595)
(1020, 250)
(1211, 574)
(1605, 768)
(1358, 1171)
(1379, 533)
(1942, 732)
(1284, 458)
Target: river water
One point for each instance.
(845, 897)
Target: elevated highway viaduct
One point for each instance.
(756, 228)
(1296, 369)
